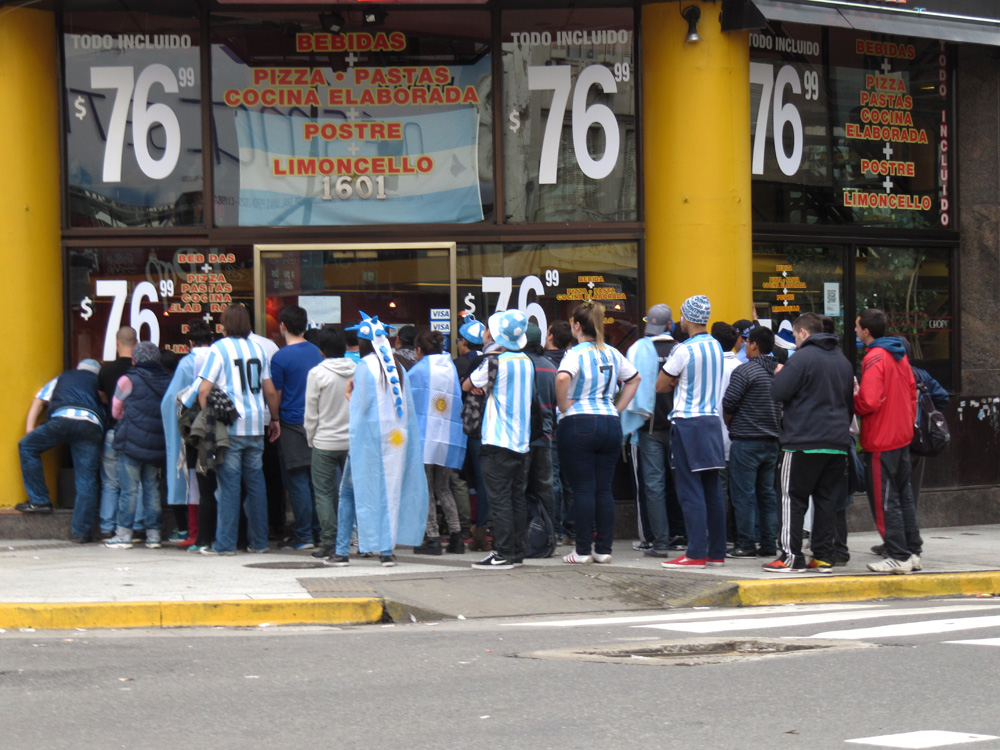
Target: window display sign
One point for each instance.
(368, 125)
(569, 115)
(157, 291)
(133, 125)
(850, 128)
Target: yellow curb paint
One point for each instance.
(237, 613)
(858, 588)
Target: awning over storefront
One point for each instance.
(969, 21)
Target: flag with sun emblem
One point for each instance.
(437, 397)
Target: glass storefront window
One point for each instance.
(913, 287)
(548, 280)
(791, 279)
(384, 123)
(156, 290)
(133, 122)
(569, 115)
(851, 128)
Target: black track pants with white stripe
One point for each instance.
(820, 475)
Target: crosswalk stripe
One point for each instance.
(764, 623)
(687, 615)
(927, 627)
(979, 642)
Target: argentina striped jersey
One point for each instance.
(239, 367)
(507, 417)
(595, 372)
(67, 412)
(697, 363)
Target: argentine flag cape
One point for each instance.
(643, 355)
(437, 395)
(390, 487)
(177, 468)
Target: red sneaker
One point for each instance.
(715, 563)
(685, 562)
(189, 542)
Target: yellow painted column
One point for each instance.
(29, 226)
(696, 138)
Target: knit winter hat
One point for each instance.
(145, 352)
(90, 365)
(697, 309)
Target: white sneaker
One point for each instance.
(574, 559)
(602, 559)
(892, 566)
(915, 562)
(118, 542)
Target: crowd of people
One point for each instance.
(742, 441)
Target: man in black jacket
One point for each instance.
(816, 390)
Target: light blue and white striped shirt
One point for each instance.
(67, 412)
(698, 364)
(507, 416)
(239, 367)
(595, 372)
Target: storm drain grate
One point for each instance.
(695, 651)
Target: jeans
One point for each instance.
(657, 483)
(474, 461)
(243, 463)
(327, 470)
(751, 485)
(540, 478)
(700, 493)
(563, 519)
(588, 451)
(439, 491)
(300, 497)
(84, 440)
(132, 474)
(347, 515)
(506, 471)
(110, 489)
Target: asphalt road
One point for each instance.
(893, 668)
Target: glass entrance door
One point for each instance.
(402, 283)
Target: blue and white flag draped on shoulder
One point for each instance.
(645, 359)
(437, 397)
(390, 487)
(177, 468)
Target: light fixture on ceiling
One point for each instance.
(332, 23)
(692, 14)
(374, 17)
(392, 303)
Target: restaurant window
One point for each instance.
(156, 290)
(569, 119)
(323, 118)
(132, 80)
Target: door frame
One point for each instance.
(258, 270)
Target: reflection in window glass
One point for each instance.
(386, 123)
(792, 279)
(913, 287)
(133, 128)
(548, 281)
(156, 290)
(569, 115)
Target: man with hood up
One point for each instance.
(327, 418)
(886, 401)
(816, 391)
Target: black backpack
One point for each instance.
(540, 541)
(474, 405)
(930, 430)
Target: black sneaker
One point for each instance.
(678, 543)
(325, 551)
(493, 561)
(293, 542)
(653, 552)
(81, 539)
(742, 552)
(388, 561)
(429, 547)
(337, 561)
(28, 507)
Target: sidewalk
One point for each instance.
(56, 584)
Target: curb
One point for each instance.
(233, 613)
(757, 593)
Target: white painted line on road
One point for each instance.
(924, 739)
(979, 642)
(764, 623)
(926, 627)
(687, 615)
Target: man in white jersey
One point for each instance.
(506, 436)
(272, 459)
(240, 368)
(694, 372)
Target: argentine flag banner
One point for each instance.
(416, 168)
(437, 398)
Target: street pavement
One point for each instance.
(39, 577)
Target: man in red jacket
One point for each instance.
(886, 401)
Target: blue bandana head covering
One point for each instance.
(374, 330)
(697, 309)
(472, 330)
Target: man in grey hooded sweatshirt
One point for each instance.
(326, 423)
